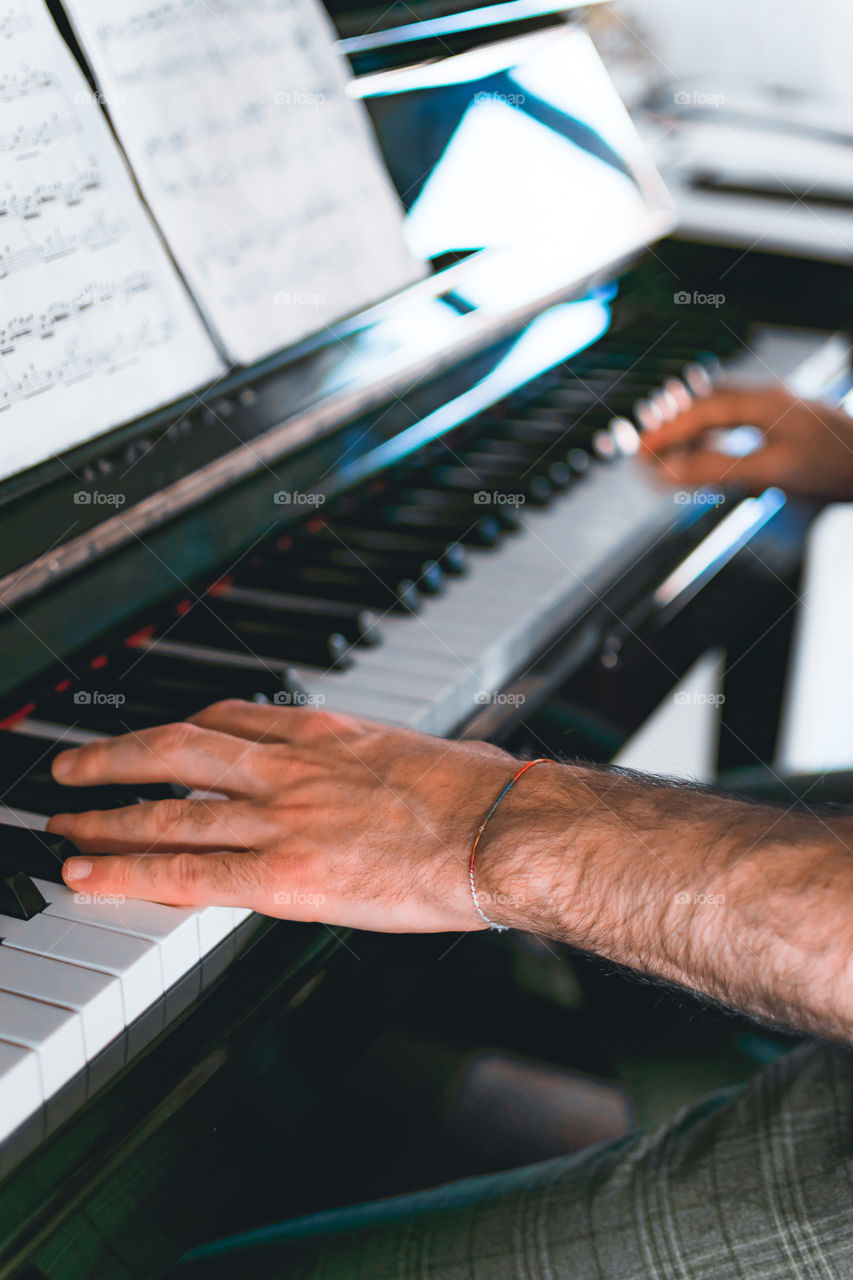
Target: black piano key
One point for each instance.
(580, 433)
(690, 346)
(478, 531)
(581, 424)
(134, 695)
(177, 691)
(389, 566)
(358, 586)
(450, 555)
(357, 624)
(650, 368)
(551, 440)
(33, 853)
(503, 480)
(459, 504)
(311, 645)
(113, 709)
(197, 676)
(578, 461)
(601, 400)
(19, 897)
(523, 456)
(29, 784)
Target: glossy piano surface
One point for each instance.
(303, 413)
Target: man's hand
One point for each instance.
(322, 817)
(807, 447)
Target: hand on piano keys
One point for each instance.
(322, 817)
(806, 447)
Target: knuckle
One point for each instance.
(184, 871)
(335, 722)
(82, 827)
(227, 707)
(243, 876)
(168, 814)
(299, 716)
(173, 739)
(200, 813)
(113, 871)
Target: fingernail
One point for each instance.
(63, 763)
(77, 869)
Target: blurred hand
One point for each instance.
(807, 448)
(324, 817)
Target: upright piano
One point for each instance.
(430, 515)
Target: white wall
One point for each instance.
(804, 45)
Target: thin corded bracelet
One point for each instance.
(499, 928)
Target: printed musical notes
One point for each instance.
(96, 327)
(259, 167)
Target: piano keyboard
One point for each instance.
(411, 600)
(436, 669)
(78, 973)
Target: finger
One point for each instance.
(693, 470)
(259, 722)
(722, 409)
(185, 754)
(165, 825)
(178, 879)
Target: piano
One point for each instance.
(413, 518)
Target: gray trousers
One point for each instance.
(754, 1183)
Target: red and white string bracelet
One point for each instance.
(499, 928)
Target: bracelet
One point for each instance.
(499, 928)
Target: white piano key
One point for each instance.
(400, 682)
(371, 705)
(173, 930)
(22, 818)
(214, 925)
(55, 1035)
(95, 996)
(64, 734)
(134, 961)
(21, 1090)
(396, 658)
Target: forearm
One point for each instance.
(748, 904)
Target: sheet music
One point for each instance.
(95, 324)
(261, 170)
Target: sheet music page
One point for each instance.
(261, 170)
(95, 325)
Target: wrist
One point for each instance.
(526, 864)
